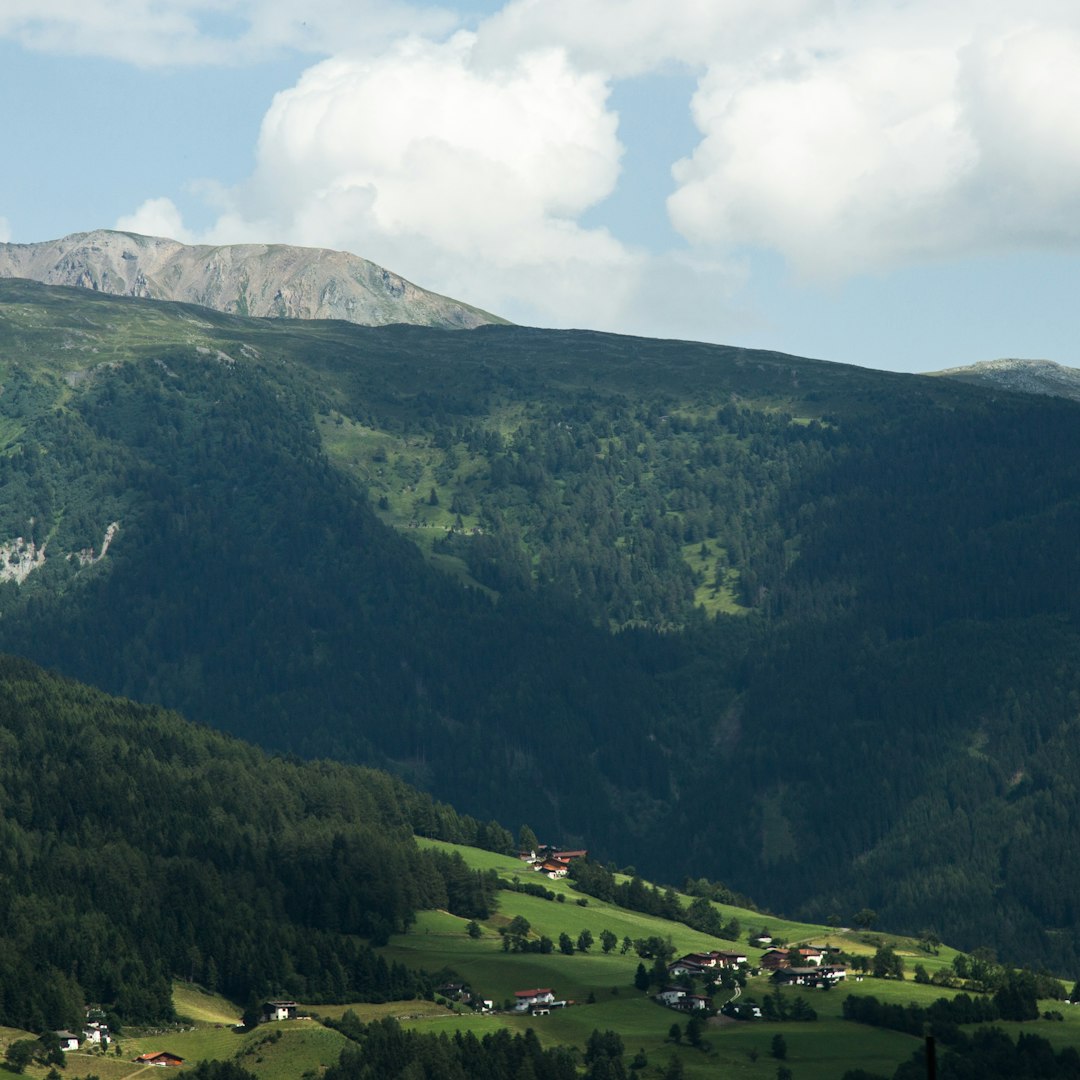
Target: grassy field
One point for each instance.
(569, 917)
(194, 1003)
(598, 987)
(822, 1050)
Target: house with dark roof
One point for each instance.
(279, 1010)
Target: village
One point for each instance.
(803, 965)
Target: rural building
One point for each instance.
(96, 1033)
(730, 959)
(671, 995)
(159, 1057)
(279, 1010)
(774, 959)
(692, 1003)
(527, 1000)
(68, 1040)
(810, 975)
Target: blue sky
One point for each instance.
(890, 184)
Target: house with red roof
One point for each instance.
(527, 1000)
(159, 1057)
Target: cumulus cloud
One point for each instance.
(455, 176)
(896, 139)
(157, 217)
(847, 135)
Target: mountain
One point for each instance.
(806, 628)
(1021, 376)
(269, 280)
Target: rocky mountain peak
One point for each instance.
(275, 280)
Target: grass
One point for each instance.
(195, 1003)
(816, 1051)
(714, 599)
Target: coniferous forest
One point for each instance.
(690, 604)
(137, 847)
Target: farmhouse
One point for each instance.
(774, 959)
(159, 1057)
(278, 1010)
(810, 975)
(676, 997)
(671, 995)
(528, 1000)
(96, 1033)
(692, 1003)
(68, 1040)
(730, 959)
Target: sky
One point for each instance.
(888, 183)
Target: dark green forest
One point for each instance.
(806, 628)
(136, 847)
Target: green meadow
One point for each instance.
(598, 988)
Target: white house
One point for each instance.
(671, 995)
(524, 1000)
(95, 1033)
(279, 1010)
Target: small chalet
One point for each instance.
(677, 997)
(555, 868)
(530, 1000)
(68, 1040)
(810, 975)
(701, 959)
(159, 1057)
(692, 1003)
(278, 1010)
(730, 959)
(774, 959)
(96, 1033)
(671, 995)
(685, 966)
(454, 991)
(810, 955)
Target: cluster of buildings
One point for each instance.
(551, 861)
(706, 963)
(95, 1032)
(812, 970)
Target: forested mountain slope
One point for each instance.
(808, 628)
(136, 847)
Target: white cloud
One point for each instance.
(170, 33)
(467, 181)
(629, 37)
(156, 217)
(847, 135)
(891, 140)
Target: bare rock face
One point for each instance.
(275, 280)
(1021, 376)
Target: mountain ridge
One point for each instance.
(1044, 377)
(835, 587)
(261, 280)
